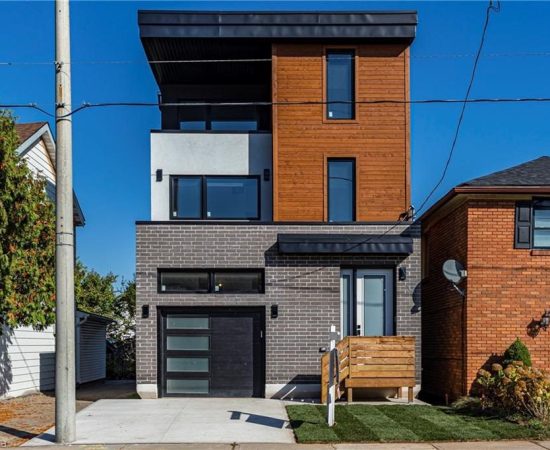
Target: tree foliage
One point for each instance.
(27, 239)
(99, 294)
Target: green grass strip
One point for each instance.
(411, 423)
(409, 416)
(459, 428)
(350, 429)
(309, 424)
(384, 427)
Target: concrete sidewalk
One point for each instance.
(493, 445)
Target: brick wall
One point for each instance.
(506, 288)
(306, 288)
(442, 307)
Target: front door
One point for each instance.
(367, 302)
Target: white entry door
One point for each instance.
(367, 302)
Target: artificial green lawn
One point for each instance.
(402, 423)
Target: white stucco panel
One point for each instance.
(208, 154)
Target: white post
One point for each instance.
(65, 421)
(331, 398)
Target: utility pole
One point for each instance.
(65, 381)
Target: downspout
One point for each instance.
(464, 342)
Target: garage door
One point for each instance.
(213, 352)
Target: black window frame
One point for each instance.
(204, 198)
(211, 280)
(540, 204)
(258, 116)
(353, 52)
(354, 189)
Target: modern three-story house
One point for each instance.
(280, 198)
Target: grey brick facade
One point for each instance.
(306, 287)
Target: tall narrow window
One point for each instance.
(341, 190)
(340, 82)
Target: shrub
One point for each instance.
(516, 389)
(518, 351)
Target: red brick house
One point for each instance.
(498, 227)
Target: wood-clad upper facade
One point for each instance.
(304, 139)
(272, 72)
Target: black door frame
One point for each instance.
(259, 366)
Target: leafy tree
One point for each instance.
(96, 293)
(27, 239)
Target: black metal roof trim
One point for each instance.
(345, 243)
(278, 25)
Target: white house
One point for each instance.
(27, 356)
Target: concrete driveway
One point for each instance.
(180, 420)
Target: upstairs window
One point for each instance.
(340, 84)
(541, 225)
(341, 190)
(532, 229)
(215, 197)
(214, 118)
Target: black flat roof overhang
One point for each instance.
(278, 25)
(344, 243)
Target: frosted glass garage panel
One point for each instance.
(187, 364)
(199, 343)
(175, 322)
(186, 386)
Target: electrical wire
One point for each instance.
(490, 7)
(87, 105)
(540, 54)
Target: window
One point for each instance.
(219, 281)
(532, 227)
(223, 118)
(188, 195)
(216, 197)
(340, 84)
(229, 282)
(541, 225)
(184, 281)
(341, 190)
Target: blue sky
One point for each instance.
(111, 146)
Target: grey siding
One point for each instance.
(93, 348)
(306, 288)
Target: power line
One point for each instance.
(540, 54)
(88, 105)
(26, 105)
(490, 7)
(465, 101)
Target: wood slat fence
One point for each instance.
(371, 362)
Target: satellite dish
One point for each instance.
(453, 271)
